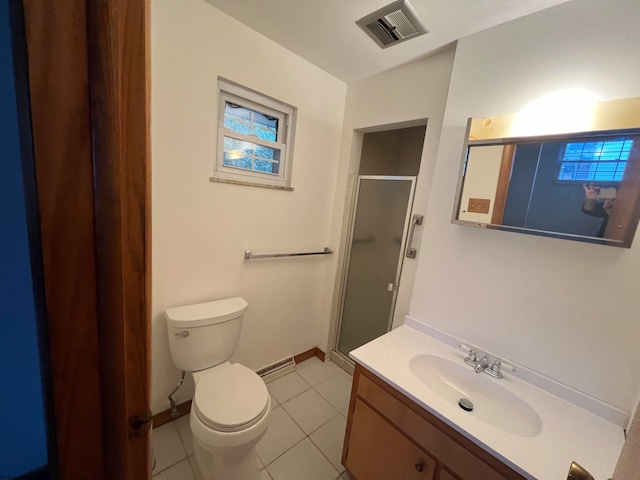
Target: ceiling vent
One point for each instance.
(392, 24)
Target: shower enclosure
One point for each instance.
(374, 258)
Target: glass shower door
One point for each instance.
(382, 211)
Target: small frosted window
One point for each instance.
(250, 122)
(255, 137)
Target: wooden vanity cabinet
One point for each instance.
(389, 436)
(378, 451)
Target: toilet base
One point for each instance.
(236, 463)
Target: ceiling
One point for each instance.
(324, 31)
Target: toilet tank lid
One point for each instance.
(206, 313)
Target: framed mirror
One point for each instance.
(581, 186)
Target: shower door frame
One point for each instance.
(347, 258)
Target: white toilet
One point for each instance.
(231, 405)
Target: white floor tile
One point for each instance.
(287, 387)
(310, 410)
(194, 468)
(338, 369)
(184, 430)
(281, 435)
(304, 461)
(314, 370)
(336, 390)
(167, 447)
(284, 449)
(180, 471)
(330, 438)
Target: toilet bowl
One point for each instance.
(231, 406)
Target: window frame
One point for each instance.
(609, 182)
(252, 100)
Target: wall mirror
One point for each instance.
(581, 186)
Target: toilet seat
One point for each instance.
(230, 397)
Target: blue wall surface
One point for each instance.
(23, 446)
(537, 200)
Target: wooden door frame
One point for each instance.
(502, 188)
(88, 71)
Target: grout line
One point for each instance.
(182, 440)
(272, 461)
(307, 435)
(322, 453)
(175, 463)
(172, 465)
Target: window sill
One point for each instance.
(250, 184)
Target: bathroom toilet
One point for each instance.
(231, 405)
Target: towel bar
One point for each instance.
(250, 256)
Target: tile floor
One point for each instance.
(304, 440)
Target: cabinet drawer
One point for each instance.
(461, 456)
(378, 451)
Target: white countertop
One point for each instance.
(568, 433)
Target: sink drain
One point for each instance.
(465, 404)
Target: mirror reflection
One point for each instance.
(577, 186)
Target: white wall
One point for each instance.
(393, 99)
(569, 310)
(481, 181)
(200, 228)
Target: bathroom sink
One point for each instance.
(492, 403)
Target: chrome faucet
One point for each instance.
(481, 364)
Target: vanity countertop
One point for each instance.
(568, 432)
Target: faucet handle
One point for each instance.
(494, 369)
(471, 358)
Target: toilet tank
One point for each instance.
(205, 334)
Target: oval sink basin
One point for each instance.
(492, 403)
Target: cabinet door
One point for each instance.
(377, 451)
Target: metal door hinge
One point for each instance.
(140, 424)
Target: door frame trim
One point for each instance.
(89, 102)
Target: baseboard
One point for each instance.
(161, 418)
(165, 416)
(314, 352)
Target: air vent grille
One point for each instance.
(382, 32)
(392, 24)
(277, 369)
(403, 25)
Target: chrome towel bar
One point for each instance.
(250, 256)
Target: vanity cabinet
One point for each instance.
(389, 436)
(379, 451)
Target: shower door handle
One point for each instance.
(415, 220)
